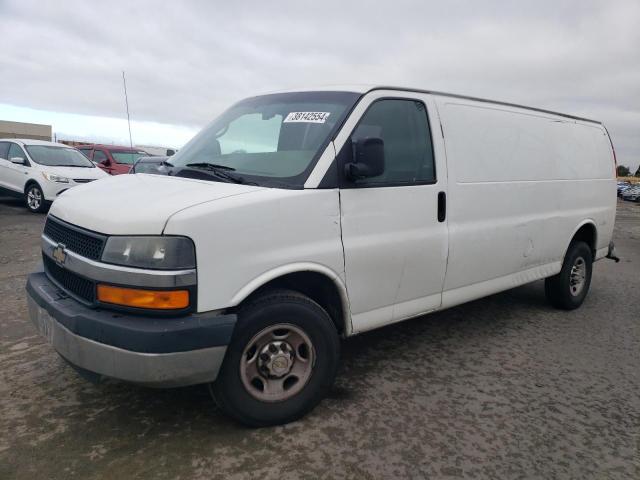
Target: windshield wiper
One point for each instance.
(220, 171)
(210, 166)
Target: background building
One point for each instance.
(25, 130)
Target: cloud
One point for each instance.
(187, 61)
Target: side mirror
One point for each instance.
(106, 162)
(18, 160)
(369, 159)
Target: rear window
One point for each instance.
(4, 150)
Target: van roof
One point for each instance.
(363, 89)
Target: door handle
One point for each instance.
(442, 206)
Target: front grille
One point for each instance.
(83, 180)
(73, 283)
(85, 243)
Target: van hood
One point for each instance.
(137, 204)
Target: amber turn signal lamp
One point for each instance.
(133, 297)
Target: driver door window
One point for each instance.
(404, 127)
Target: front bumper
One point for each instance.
(51, 190)
(158, 352)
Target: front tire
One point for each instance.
(568, 289)
(34, 199)
(282, 360)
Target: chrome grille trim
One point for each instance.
(83, 242)
(115, 274)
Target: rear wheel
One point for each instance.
(281, 361)
(34, 198)
(568, 289)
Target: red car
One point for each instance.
(112, 159)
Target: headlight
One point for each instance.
(55, 178)
(159, 252)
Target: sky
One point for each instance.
(61, 62)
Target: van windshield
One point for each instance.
(271, 140)
(58, 156)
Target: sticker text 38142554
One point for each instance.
(307, 117)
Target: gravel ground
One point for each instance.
(503, 387)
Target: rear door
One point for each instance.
(395, 244)
(4, 164)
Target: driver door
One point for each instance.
(395, 241)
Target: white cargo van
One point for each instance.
(298, 218)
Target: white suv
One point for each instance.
(40, 171)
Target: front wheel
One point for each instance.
(34, 199)
(568, 289)
(281, 361)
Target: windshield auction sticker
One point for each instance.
(308, 117)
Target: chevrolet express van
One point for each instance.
(298, 218)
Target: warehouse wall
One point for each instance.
(25, 130)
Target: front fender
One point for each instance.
(245, 241)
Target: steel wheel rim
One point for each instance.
(277, 363)
(577, 276)
(34, 198)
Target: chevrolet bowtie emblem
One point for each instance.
(58, 254)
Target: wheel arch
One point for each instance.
(587, 232)
(318, 282)
(29, 182)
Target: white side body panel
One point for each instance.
(521, 183)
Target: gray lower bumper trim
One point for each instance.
(150, 369)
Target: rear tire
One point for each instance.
(34, 199)
(568, 289)
(281, 361)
